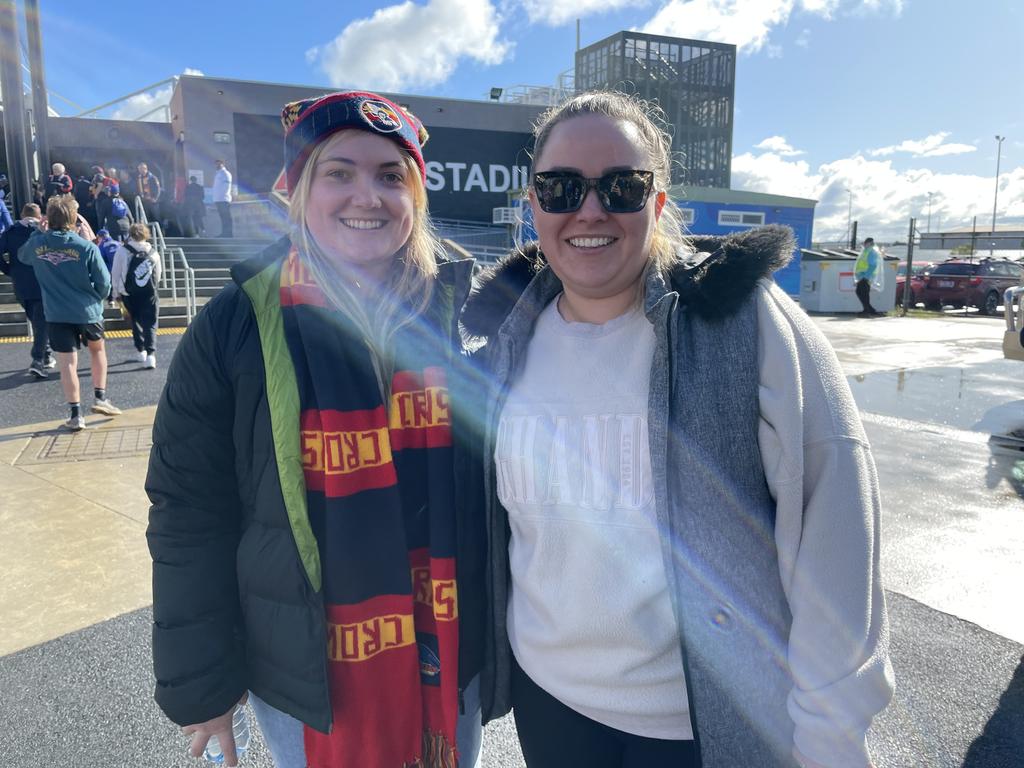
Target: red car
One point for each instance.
(921, 270)
(970, 284)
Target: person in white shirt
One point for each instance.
(222, 199)
(681, 499)
(135, 278)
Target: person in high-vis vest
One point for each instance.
(868, 273)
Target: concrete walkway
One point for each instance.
(75, 676)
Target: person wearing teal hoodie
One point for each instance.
(74, 282)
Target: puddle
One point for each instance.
(987, 398)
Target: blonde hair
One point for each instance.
(61, 213)
(410, 289)
(57, 168)
(139, 232)
(670, 242)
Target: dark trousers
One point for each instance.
(40, 337)
(554, 736)
(103, 207)
(145, 312)
(864, 294)
(152, 209)
(227, 227)
(196, 216)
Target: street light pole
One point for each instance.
(849, 215)
(995, 200)
(929, 228)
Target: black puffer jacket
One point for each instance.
(236, 592)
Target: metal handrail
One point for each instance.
(190, 284)
(170, 257)
(1014, 321)
(140, 211)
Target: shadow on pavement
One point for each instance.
(958, 693)
(17, 379)
(1004, 732)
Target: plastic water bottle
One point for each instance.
(240, 729)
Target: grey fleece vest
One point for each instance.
(716, 519)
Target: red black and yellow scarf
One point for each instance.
(379, 488)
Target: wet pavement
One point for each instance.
(75, 680)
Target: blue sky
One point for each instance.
(891, 99)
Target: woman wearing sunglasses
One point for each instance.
(310, 543)
(683, 508)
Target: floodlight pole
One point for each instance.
(16, 139)
(40, 103)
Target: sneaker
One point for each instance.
(50, 364)
(37, 369)
(105, 407)
(140, 356)
(75, 423)
(151, 360)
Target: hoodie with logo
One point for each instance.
(71, 273)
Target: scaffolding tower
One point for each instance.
(694, 83)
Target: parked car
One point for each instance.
(970, 283)
(921, 270)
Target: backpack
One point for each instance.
(119, 208)
(107, 249)
(138, 278)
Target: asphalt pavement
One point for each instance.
(75, 674)
(27, 400)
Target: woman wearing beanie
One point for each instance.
(310, 551)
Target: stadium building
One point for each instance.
(478, 156)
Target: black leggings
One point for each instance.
(554, 736)
(145, 314)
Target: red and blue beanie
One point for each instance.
(310, 121)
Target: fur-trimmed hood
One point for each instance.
(712, 281)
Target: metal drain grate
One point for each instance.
(88, 445)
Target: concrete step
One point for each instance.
(172, 315)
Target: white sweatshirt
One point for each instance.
(123, 257)
(585, 620)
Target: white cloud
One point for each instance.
(884, 197)
(930, 146)
(144, 106)
(408, 45)
(803, 40)
(747, 24)
(555, 13)
(820, 7)
(865, 7)
(744, 23)
(779, 146)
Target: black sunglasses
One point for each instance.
(618, 191)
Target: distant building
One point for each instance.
(693, 81)
(1007, 237)
(710, 211)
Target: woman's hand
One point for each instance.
(219, 727)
